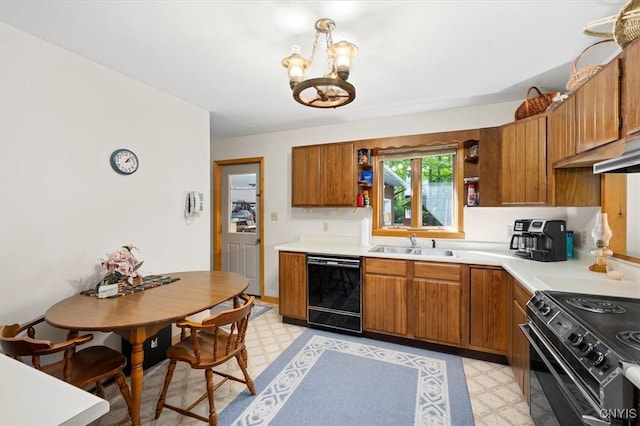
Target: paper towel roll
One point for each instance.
(365, 232)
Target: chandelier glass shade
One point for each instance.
(331, 90)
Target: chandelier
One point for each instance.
(331, 90)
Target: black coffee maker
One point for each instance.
(539, 239)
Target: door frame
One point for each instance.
(217, 214)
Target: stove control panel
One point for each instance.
(576, 341)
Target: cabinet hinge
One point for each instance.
(620, 122)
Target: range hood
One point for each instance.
(628, 162)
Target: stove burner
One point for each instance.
(595, 305)
(630, 338)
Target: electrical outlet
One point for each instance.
(583, 239)
(325, 227)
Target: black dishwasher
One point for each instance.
(334, 296)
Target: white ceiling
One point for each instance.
(414, 56)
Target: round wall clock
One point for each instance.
(124, 161)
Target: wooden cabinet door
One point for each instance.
(597, 109)
(323, 175)
(488, 309)
(632, 88)
(293, 285)
(519, 348)
(385, 296)
(561, 138)
(338, 175)
(524, 162)
(305, 176)
(437, 310)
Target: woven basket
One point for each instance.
(626, 25)
(580, 76)
(534, 105)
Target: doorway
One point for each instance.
(238, 220)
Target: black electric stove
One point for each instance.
(589, 338)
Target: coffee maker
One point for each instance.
(539, 239)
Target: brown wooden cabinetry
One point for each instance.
(632, 88)
(488, 297)
(518, 349)
(437, 295)
(292, 283)
(597, 108)
(524, 162)
(385, 296)
(323, 175)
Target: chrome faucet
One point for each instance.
(412, 238)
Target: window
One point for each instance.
(418, 189)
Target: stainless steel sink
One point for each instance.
(420, 251)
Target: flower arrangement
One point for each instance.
(121, 265)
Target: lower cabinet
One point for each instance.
(488, 294)
(437, 295)
(385, 296)
(518, 351)
(292, 283)
(417, 300)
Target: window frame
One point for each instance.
(456, 232)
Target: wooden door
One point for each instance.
(437, 305)
(305, 176)
(338, 176)
(293, 285)
(385, 296)
(524, 162)
(632, 88)
(597, 109)
(488, 309)
(561, 137)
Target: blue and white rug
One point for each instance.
(330, 379)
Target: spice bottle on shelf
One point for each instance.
(360, 200)
(471, 195)
(366, 198)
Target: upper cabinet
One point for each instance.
(631, 79)
(323, 175)
(597, 109)
(524, 162)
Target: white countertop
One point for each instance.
(29, 397)
(572, 275)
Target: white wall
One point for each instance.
(481, 224)
(62, 208)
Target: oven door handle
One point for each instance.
(590, 420)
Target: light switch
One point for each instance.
(274, 215)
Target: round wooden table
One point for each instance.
(139, 316)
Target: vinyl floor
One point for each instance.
(495, 395)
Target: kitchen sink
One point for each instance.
(420, 251)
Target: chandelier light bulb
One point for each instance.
(296, 66)
(341, 54)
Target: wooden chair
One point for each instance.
(210, 343)
(82, 368)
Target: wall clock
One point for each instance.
(124, 161)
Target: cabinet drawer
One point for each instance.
(386, 267)
(520, 295)
(437, 271)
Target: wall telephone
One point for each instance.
(194, 204)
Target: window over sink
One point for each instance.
(418, 192)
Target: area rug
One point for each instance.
(329, 379)
(258, 308)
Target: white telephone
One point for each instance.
(194, 204)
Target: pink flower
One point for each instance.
(121, 265)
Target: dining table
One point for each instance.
(140, 315)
